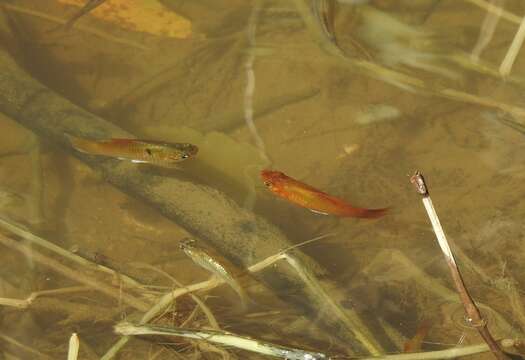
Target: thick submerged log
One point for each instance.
(237, 233)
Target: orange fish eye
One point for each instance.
(268, 183)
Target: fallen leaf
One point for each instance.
(148, 16)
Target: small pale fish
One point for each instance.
(137, 151)
(212, 262)
(377, 113)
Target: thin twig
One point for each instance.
(24, 303)
(451, 353)
(73, 274)
(19, 230)
(474, 316)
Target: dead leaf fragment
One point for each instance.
(148, 16)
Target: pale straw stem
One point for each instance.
(74, 345)
(513, 51)
(474, 317)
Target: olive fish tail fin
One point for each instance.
(246, 301)
(82, 145)
(240, 292)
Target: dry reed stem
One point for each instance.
(488, 28)
(168, 298)
(514, 48)
(74, 345)
(19, 230)
(496, 10)
(474, 316)
(222, 338)
(205, 309)
(73, 274)
(24, 303)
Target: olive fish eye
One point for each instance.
(186, 242)
(148, 151)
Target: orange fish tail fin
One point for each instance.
(366, 213)
(83, 145)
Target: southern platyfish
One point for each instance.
(137, 151)
(212, 262)
(308, 197)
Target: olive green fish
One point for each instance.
(214, 263)
(137, 151)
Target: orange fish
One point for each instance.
(137, 151)
(313, 199)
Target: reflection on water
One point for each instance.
(349, 97)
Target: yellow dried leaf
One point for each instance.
(147, 16)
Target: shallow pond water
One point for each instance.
(351, 102)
